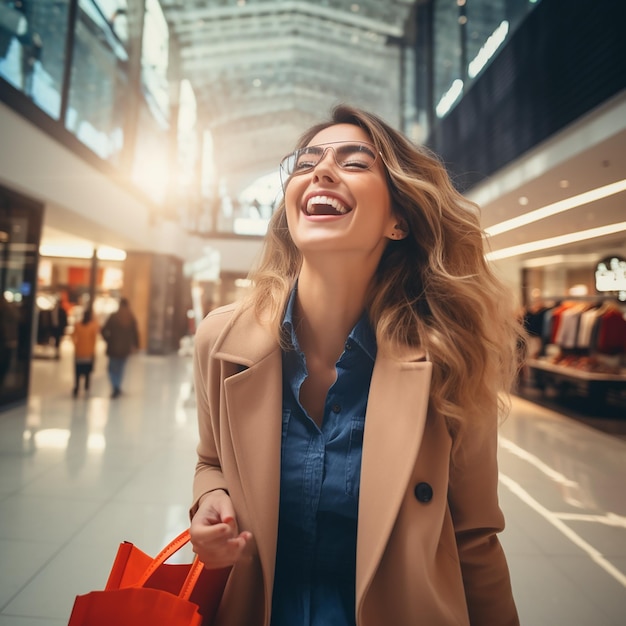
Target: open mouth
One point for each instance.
(325, 205)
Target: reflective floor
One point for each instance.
(78, 476)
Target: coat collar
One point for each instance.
(245, 340)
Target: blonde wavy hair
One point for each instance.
(433, 289)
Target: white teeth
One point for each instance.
(333, 202)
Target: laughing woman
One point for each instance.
(348, 408)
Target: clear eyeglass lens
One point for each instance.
(351, 156)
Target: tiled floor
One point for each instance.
(79, 476)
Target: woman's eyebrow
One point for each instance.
(354, 147)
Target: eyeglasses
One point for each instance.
(352, 156)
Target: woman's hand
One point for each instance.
(215, 536)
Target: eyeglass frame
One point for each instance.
(327, 146)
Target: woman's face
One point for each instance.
(340, 209)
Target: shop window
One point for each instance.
(32, 50)
(20, 228)
(98, 83)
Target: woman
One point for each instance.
(84, 336)
(122, 338)
(348, 409)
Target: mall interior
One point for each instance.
(139, 151)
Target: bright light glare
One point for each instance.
(49, 437)
(553, 242)
(265, 189)
(187, 114)
(250, 226)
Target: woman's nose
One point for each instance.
(326, 166)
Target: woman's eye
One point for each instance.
(304, 164)
(354, 165)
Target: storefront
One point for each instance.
(20, 231)
(576, 317)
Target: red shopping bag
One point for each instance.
(146, 591)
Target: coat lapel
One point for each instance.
(394, 426)
(254, 405)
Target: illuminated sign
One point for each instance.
(611, 274)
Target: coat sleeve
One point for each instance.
(473, 499)
(208, 475)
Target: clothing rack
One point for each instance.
(584, 352)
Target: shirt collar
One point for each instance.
(288, 319)
(362, 334)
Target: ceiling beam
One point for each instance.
(389, 21)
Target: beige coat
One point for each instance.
(419, 562)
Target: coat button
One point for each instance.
(423, 492)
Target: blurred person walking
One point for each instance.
(59, 324)
(84, 336)
(122, 338)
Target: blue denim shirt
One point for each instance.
(319, 487)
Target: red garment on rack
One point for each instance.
(612, 333)
(556, 320)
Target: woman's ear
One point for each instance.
(400, 230)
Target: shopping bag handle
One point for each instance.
(170, 549)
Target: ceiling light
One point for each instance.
(71, 251)
(81, 251)
(523, 200)
(561, 259)
(553, 242)
(486, 52)
(449, 98)
(557, 207)
(106, 253)
(554, 259)
(564, 184)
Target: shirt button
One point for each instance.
(423, 492)
(348, 346)
(336, 408)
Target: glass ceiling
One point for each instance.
(264, 70)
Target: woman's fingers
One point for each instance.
(217, 546)
(215, 536)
